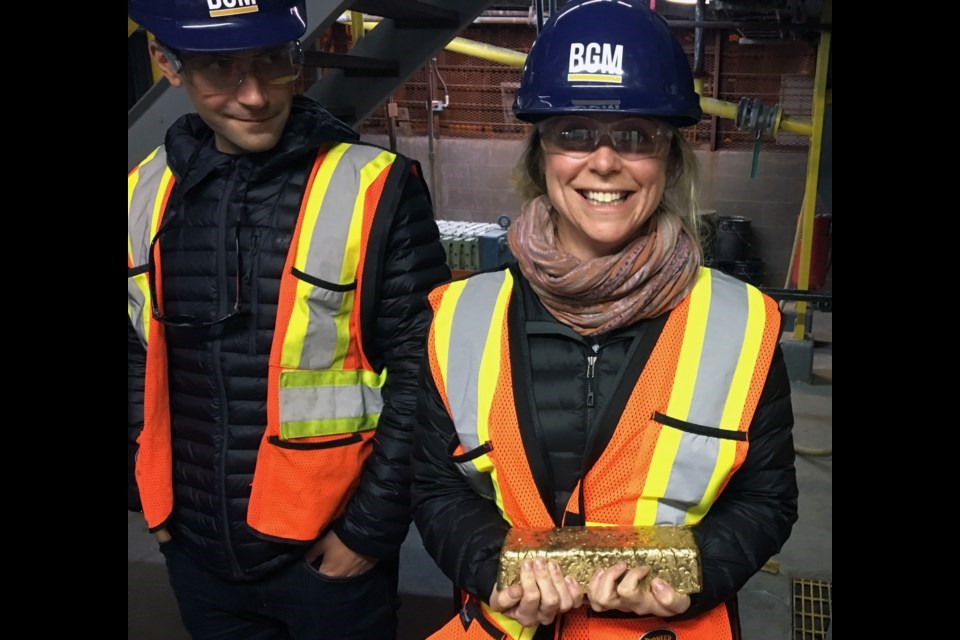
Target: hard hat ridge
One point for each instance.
(221, 25)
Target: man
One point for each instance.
(276, 277)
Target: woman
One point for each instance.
(608, 379)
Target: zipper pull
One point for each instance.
(254, 246)
(591, 360)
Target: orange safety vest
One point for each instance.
(323, 396)
(689, 413)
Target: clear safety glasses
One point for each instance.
(223, 72)
(579, 136)
(188, 320)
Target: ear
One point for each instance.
(164, 64)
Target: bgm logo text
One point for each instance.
(595, 62)
(219, 8)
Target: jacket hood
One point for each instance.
(191, 152)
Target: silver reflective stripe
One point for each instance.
(697, 454)
(139, 218)
(142, 203)
(468, 337)
(329, 403)
(326, 255)
(327, 248)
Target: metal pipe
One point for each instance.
(431, 156)
(356, 26)
(490, 52)
(813, 169)
(511, 58)
(539, 4)
(728, 24)
(698, 46)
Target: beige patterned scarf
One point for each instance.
(648, 277)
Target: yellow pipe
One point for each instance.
(813, 170)
(508, 57)
(356, 26)
(513, 58)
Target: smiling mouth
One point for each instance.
(255, 120)
(601, 198)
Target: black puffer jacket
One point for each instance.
(463, 532)
(218, 375)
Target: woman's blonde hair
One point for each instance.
(679, 194)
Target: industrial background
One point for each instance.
(435, 79)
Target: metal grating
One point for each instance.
(811, 608)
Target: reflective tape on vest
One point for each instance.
(148, 187)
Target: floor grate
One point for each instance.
(811, 608)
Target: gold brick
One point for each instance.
(670, 551)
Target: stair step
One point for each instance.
(352, 65)
(410, 14)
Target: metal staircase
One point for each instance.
(353, 84)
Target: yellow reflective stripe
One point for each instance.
(513, 628)
(747, 362)
(155, 216)
(679, 405)
(487, 384)
(132, 179)
(330, 378)
(442, 323)
(329, 427)
(300, 316)
(736, 399)
(158, 203)
(351, 257)
(141, 281)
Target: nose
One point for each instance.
(605, 160)
(251, 91)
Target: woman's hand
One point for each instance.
(542, 593)
(605, 593)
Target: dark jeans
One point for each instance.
(294, 603)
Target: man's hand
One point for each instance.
(338, 560)
(606, 593)
(542, 594)
(162, 535)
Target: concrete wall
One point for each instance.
(471, 181)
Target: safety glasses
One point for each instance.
(188, 320)
(224, 73)
(579, 136)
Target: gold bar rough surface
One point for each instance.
(670, 551)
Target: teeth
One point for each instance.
(604, 197)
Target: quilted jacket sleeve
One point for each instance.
(377, 517)
(136, 365)
(461, 530)
(752, 519)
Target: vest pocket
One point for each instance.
(309, 464)
(328, 403)
(138, 300)
(690, 427)
(475, 465)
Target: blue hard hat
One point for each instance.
(607, 56)
(220, 25)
